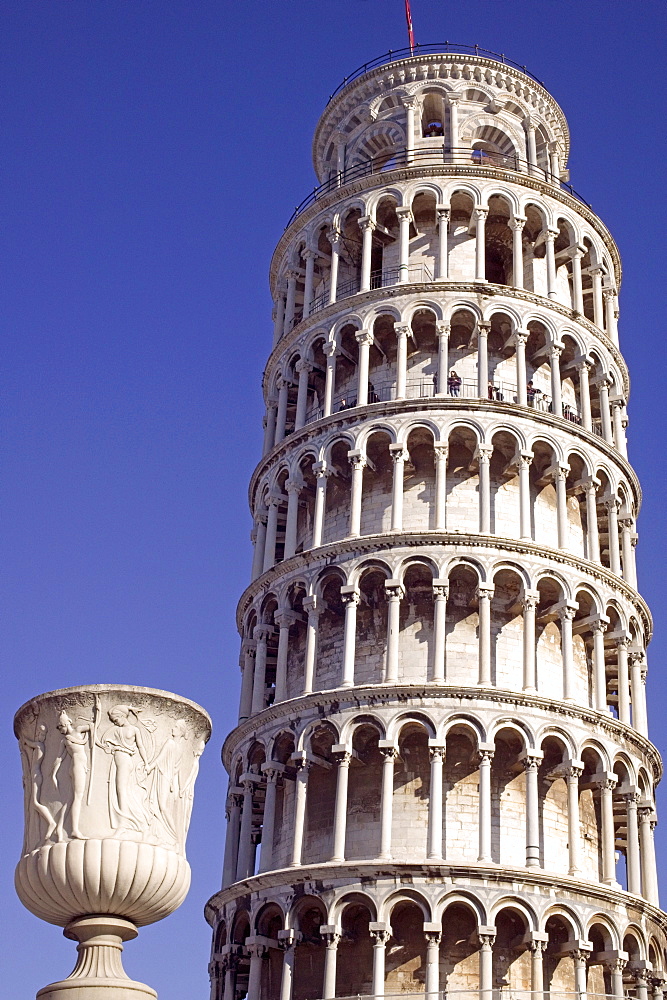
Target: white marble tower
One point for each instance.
(441, 779)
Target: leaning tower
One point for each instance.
(441, 778)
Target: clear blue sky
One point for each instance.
(151, 154)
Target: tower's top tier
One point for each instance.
(496, 108)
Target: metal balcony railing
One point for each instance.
(433, 156)
(379, 279)
(394, 55)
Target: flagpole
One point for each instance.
(408, 19)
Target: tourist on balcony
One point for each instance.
(532, 393)
(454, 383)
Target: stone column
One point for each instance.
(404, 219)
(647, 849)
(623, 679)
(638, 691)
(487, 937)
(598, 310)
(302, 765)
(555, 352)
(612, 504)
(290, 303)
(230, 978)
(516, 225)
(441, 452)
(529, 604)
(609, 296)
(358, 463)
(627, 548)
(442, 270)
(260, 543)
(230, 863)
(270, 426)
(641, 974)
(483, 456)
(409, 105)
(453, 102)
(584, 368)
(249, 649)
(293, 487)
(605, 413)
(288, 940)
(531, 763)
(567, 613)
(380, 933)
(257, 950)
(364, 339)
(520, 341)
(486, 752)
(343, 757)
(390, 753)
(524, 463)
(284, 619)
(606, 783)
(246, 851)
(483, 360)
(560, 479)
(331, 936)
(312, 609)
(598, 628)
(304, 368)
(402, 330)
(580, 952)
(440, 591)
(334, 240)
(398, 455)
(443, 330)
(485, 593)
(321, 474)
(577, 288)
(260, 634)
(616, 967)
(281, 417)
(367, 226)
(437, 755)
(592, 536)
(632, 862)
(550, 238)
(272, 771)
(536, 943)
(331, 352)
(617, 411)
(573, 771)
(278, 317)
(480, 215)
(554, 163)
(309, 257)
(395, 593)
(433, 935)
(531, 146)
(275, 500)
(350, 598)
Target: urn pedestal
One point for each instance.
(108, 775)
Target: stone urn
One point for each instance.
(108, 777)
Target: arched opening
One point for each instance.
(354, 970)
(318, 839)
(412, 787)
(461, 796)
(337, 506)
(511, 959)
(558, 964)
(498, 242)
(461, 237)
(419, 481)
(423, 245)
(590, 815)
(363, 796)
(553, 806)
(330, 631)
(504, 485)
(415, 645)
(462, 623)
(308, 917)
(549, 647)
(459, 950)
(462, 481)
(433, 116)
(283, 830)
(347, 360)
(507, 630)
(405, 968)
(508, 801)
(371, 644)
(422, 361)
(378, 478)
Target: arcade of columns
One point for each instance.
(441, 779)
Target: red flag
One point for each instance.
(408, 18)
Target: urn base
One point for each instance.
(98, 974)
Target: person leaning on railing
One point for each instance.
(454, 383)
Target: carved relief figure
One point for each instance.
(128, 796)
(188, 790)
(32, 755)
(166, 794)
(76, 741)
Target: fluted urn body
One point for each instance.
(108, 774)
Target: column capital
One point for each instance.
(357, 459)
(443, 212)
(536, 941)
(330, 349)
(532, 759)
(443, 328)
(556, 349)
(262, 632)
(300, 761)
(485, 590)
(433, 933)
(605, 780)
(285, 617)
(441, 449)
(379, 931)
(288, 938)
(483, 453)
(331, 934)
(276, 499)
(611, 503)
(486, 751)
(349, 594)
(574, 768)
(402, 329)
(365, 223)
(342, 754)
(521, 336)
(525, 459)
(334, 236)
(249, 647)
(480, 212)
(568, 611)
(550, 235)
(483, 327)
(388, 749)
(599, 624)
(272, 769)
(394, 589)
(292, 274)
(294, 486)
(486, 935)
(530, 599)
(409, 101)
(440, 587)
(404, 212)
(364, 337)
(517, 222)
(312, 605)
(303, 365)
(398, 452)
(255, 947)
(321, 470)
